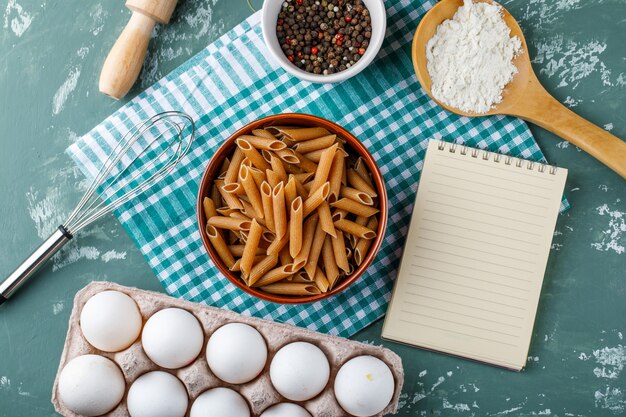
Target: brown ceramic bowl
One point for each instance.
(292, 119)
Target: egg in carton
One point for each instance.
(291, 374)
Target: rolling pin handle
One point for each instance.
(123, 64)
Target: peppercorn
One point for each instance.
(323, 36)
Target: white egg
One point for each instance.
(91, 385)
(299, 371)
(220, 402)
(157, 394)
(285, 410)
(172, 338)
(364, 386)
(110, 321)
(236, 353)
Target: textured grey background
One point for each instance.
(50, 58)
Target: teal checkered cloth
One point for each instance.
(231, 83)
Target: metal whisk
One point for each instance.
(144, 156)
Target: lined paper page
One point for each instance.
(475, 255)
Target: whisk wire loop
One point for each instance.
(117, 174)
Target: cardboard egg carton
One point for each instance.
(197, 377)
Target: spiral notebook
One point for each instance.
(475, 255)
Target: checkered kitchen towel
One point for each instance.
(233, 82)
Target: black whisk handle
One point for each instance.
(31, 264)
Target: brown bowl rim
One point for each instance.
(300, 119)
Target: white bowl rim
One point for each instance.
(268, 27)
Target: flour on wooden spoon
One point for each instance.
(470, 58)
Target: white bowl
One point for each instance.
(378, 15)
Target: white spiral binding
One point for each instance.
(497, 158)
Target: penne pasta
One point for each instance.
(261, 268)
(290, 191)
(237, 250)
(361, 169)
(225, 165)
(263, 133)
(305, 133)
(229, 199)
(315, 199)
(277, 245)
(359, 183)
(208, 207)
(335, 176)
(304, 177)
(339, 214)
(220, 246)
(268, 236)
(292, 210)
(236, 266)
(267, 156)
(326, 219)
(315, 251)
(233, 188)
(353, 207)
(290, 288)
(280, 211)
(272, 178)
(252, 244)
(278, 167)
(216, 196)
(275, 275)
(305, 163)
(330, 264)
(239, 215)
(264, 143)
(268, 210)
(295, 227)
(361, 220)
(308, 232)
(300, 277)
(314, 156)
(355, 229)
(233, 169)
(293, 169)
(248, 212)
(229, 223)
(252, 154)
(231, 236)
(363, 245)
(321, 281)
(351, 240)
(356, 195)
(314, 144)
(226, 211)
(300, 190)
(283, 256)
(339, 252)
(251, 190)
(257, 175)
(323, 168)
(288, 155)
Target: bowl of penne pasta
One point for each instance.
(292, 208)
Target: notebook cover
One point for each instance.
(475, 255)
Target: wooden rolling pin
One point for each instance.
(123, 64)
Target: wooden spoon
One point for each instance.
(524, 96)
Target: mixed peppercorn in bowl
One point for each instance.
(324, 41)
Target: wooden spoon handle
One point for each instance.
(540, 108)
(123, 64)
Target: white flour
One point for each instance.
(469, 58)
